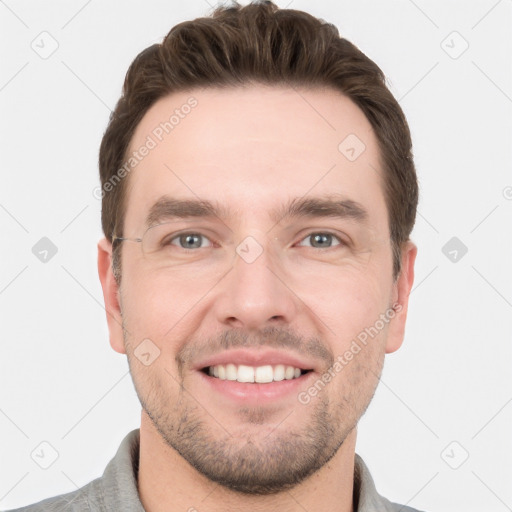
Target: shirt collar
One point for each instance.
(119, 482)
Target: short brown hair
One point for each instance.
(260, 43)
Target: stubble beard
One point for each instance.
(249, 461)
(261, 463)
(257, 463)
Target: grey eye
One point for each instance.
(190, 240)
(322, 240)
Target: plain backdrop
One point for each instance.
(437, 434)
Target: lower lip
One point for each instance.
(256, 393)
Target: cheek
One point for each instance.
(347, 303)
(146, 312)
(161, 308)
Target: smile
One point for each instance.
(259, 374)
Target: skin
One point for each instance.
(253, 149)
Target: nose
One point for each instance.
(255, 293)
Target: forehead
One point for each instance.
(253, 149)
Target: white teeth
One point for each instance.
(289, 372)
(264, 374)
(279, 372)
(245, 373)
(260, 374)
(231, 371)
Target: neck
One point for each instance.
(167, 482)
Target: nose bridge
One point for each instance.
(253, 293)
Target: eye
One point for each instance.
(190, 241)
(322, 240)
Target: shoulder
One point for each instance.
(87, 498)
(365, 493)
(116, 489)
(396, 507)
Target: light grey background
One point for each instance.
(445, 394)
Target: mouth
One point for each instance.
(254, 374)
(248, 377)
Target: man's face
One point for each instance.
(256, 285)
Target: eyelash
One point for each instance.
(341, 241)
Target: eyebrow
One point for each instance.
(333, 206)
(167, 208)
(330, 206)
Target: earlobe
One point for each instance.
(400, 300)
(110, 295)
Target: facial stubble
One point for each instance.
(253, 460)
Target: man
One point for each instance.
(258, 196)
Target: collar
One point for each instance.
(117, 488)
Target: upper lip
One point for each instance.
(260, 357)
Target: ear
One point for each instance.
(110, 295)
(400, 298)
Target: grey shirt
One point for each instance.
(117, 491)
